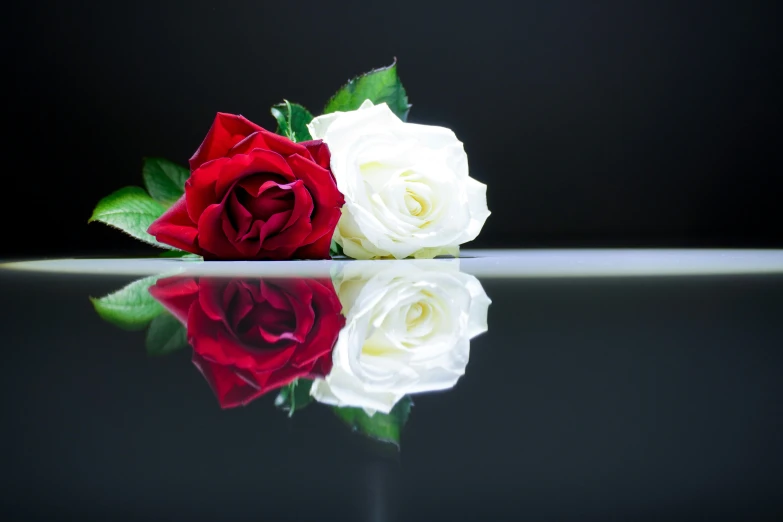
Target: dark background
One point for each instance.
(606, 123)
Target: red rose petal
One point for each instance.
(281, 144)
(327, 199)
(319, 152)
(303, 311)
(274, 224)
(258, 161)
(238, 297)
(227, 130)
(279, 378)
(228, 386)
(272, 202)
(200, 188)
(318, 343)
(175, 228)
(249, 244)
(267, 325)
(319, 249)
(215, 342)
(212, 237)
(298, 226)
(258, 184)
(274, 293)
(241, 218)
(176, 294)
(212, 299)
(252, 141)
(318, 181)
(303, 203)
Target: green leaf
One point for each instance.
(292, 120)
(185, 256)
(335, 249)
(131, 210)
(294, 396)
(380, 426)
(379, 86)
(164, 180)
(166, 335)
(132, 307)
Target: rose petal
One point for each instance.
(252, 141)
(212, 237)
(213, 341)
(238, 297)
(257, 161)
(272, 293)
(241, 218)
(327, 200)
(175, 228)
(212, 298)
(267, 325)
(272, 202)
(281, 144)
(257, 184)
(277, 379)
(319, 249)
(176, 294)
(320, 340)
(318, 181)
(274, 224)
(301, 303)
(298, 226)
(249, 244)
(200, 188)
(230, 389)
(319, 152)
(227, 130)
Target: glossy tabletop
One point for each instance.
(505, 385)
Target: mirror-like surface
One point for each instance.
(397, 391)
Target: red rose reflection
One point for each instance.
(250, 337)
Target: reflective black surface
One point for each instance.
(586, 399)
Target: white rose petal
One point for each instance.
(408, 330)
(406, 186)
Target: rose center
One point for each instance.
(413, 204)
(414, 314)
(271, 201)
(263, 323)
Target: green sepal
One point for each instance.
(294, 396)
(131, 307)
(164, 180)
(335, 249)
(380, 426)
(379, 86)
(181, 254)
(292, 120)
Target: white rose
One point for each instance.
(408, 330)
(406, 186)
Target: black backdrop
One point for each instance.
(606, 123)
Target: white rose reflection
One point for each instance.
(408, 330)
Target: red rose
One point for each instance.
(254, 195)
(250, 337)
